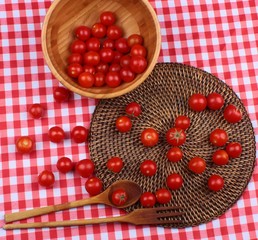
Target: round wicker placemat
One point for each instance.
(163, 96)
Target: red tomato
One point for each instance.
(234, 149)
(232, 114)
(215, 182)
(85, 168)
(36, 110)
(82, 33)
(115, 164)
(127, 75)
(89, 69)
(133, 109)
(46, 178)
(220, 157)
(182, 122)
(163, 196)
(197, 102)
(75, 58)
(117, 57)
(148, 168)
(102, 67)
(93, 186)
(56, 134)
(108, 43)
(197, 165)
(176, 136)
(114, 67)
(106, 55)
(79, 134)
(215, 101)
(138, 64)
(119, 197)
(93, 44)
(86, 79)
(125, 61)
(113, 79)
(64, 164)
(148, 199)
(138, 50)
(134, 39)
(114, 32)
(99, 79)
(107, 18)
(74, 70)
(174, 154)
(91, 58)
(174, 181)
(149, 137)
(122, 46)
(99, 30)
(123, 124)
(24, 144)
(61, 94)
(78, 46)
(218, 137)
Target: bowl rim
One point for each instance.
(84, 93)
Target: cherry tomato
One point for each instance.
(99, 79)
(74, 70)
(149, 137)
(119, 197)
(163, 196)
(215, 101)
(61, 94)
(93, 186)
(134, 39)
(106, 55)
(234, 149)
(176, 136)
(115, 164)
(102, 67)
(56, 134)
(46, 178)
(114, 32)
(148, 168)
(123, 124)
(75, 58)
(93, 44)
(197, 165)
(64, 164)
(182, 122)
(197, 102)
(125, 61)
(36, 110)
(114, 67)
(174, 181)
(148, 199)
(89, 69)
(83, 33)
(215, 182)
(218, 137)
(25, 144)
(78, 46)
(107, 18)
(138, 64)
(138, 50)
(232, 114)
(117, 57)
(86, 79)
(220, 157)
(127, 75)
(108, 43)
(113, 79)
(91, 58)
(85, 168)
(79, 134)
(174, 154)
(133, 109)
(99, 30)
(122, 46)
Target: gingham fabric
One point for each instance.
(219, 36)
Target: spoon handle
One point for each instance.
(54, 208)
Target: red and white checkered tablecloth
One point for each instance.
(219, 36)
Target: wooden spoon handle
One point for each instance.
(45, 210)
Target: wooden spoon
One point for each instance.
(133, 190)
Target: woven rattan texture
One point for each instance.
(163, 96)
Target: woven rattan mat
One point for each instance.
(163, 96)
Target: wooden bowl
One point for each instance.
(63, 16)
